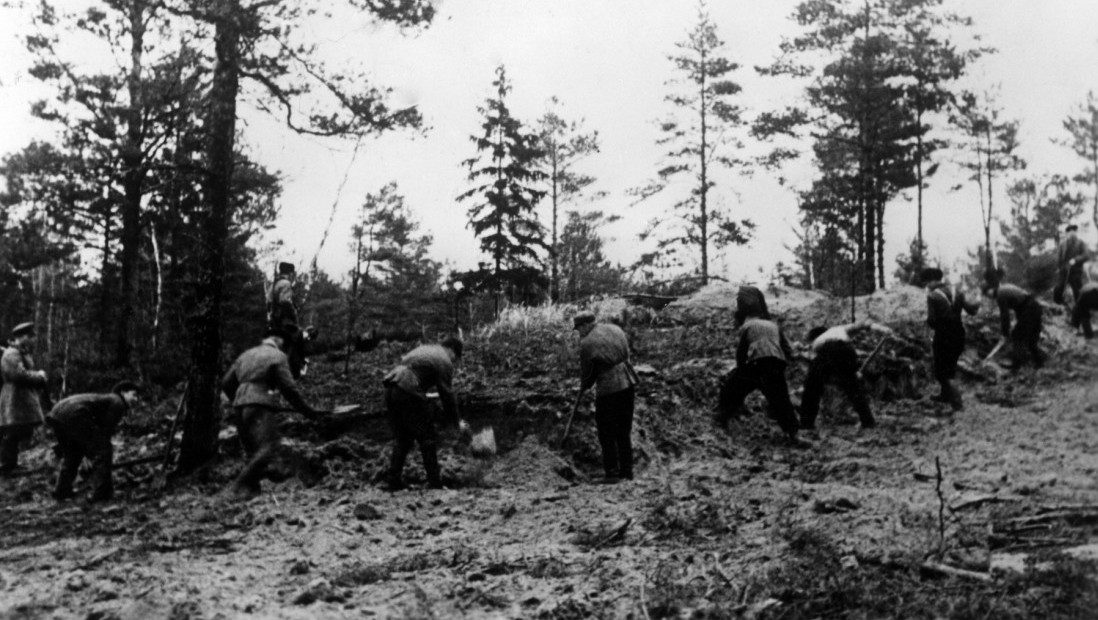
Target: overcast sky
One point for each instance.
(607, 63)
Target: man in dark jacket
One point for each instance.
(1071, 254)
(425, 368)
(1084, 304)
(761, 358)
(604, 365)
(21, 396)
(84, 425)
(282, 312)
(253, 385)
(943, 314)
(835, 359)
(1027, 310)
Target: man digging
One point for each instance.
(253, 385)
(1027, 311)
(762, 355)
(604, 365)
(84, 425)
(835, 359)
(427, 367)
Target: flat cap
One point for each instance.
(1071, 227)
(23, 328)
(931, 274)
(583, 318)
(285, 268)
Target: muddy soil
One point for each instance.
(717, 524)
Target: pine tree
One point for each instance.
(506, 188)
(564, 144)
(701, 134)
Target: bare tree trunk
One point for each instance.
(159, 288)
(132, 183)
(200, 428)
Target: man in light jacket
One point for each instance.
(253, 385)
(21, 396)
(604, 365)
(424, 368)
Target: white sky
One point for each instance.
(606, 61)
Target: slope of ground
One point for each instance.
(718, 523)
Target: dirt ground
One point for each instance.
(717, 524)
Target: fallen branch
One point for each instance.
(944, 569)
(617, 534)
(983, 499)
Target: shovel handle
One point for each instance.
(568, 425)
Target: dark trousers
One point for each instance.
(766, 375)
(1072, 277)
(10, 438)
(614, 420)
(257, 427)
(76, 441)
(948, 345)
(1080, 315)
(836, 361)
(1026, 334)
(410, 417)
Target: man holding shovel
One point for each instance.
(84, 425)
(835, 359)
(1027, 310)
(604, 365)
(943, 314)
(253, 385)
(425, 368)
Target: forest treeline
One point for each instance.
(136, 238)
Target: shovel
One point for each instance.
(568, 425)
(994, 351)
(483, 444)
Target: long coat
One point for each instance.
(20, 398)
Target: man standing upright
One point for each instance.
(84, 425)
(943, 315)
(604, 365)
(252, 385)
(426, 367)
(21, 396)
(281, 309)
(1071, 254)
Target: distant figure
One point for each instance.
(1084, 304)
(1027, 310)
(943, 314)
(84, 425)
(1071, 255)
(836, 360)
(604, 365)
(761, 357)
(281, 311)
(253, 385)
(425, 368)
(21, 396)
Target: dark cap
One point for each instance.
(1071, 227)
(22, 328)
(930, 274)
(285, 268)
(276, 332)
(583, 318)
